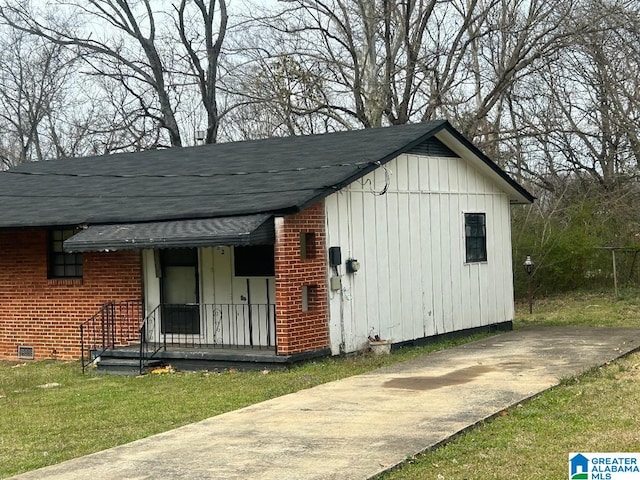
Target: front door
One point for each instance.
(179, 291)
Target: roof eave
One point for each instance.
(373, 165)
(455, 140)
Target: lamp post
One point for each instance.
(528, 267)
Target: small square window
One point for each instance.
(475, 237)
(62, 264)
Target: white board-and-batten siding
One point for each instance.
(404, 223)
(218, 290)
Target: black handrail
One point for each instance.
(146, 346)
(114, 325)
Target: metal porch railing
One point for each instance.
(239, 326)
(116, 324)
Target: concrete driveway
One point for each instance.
(358, 427)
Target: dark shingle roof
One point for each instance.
(277, 175)
(240, 230)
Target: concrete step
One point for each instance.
(122, 366)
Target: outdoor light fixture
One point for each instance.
(528, 267)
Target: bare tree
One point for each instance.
(101, 120)
(390, 62)
(134, 44)
(511, 43)
(273, 94)
(581, 114)
(365, 55)
(203, 51)
(33, 74)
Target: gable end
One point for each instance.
(432, 147)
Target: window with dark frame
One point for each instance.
(254, 261)
(475, 237)
(62, 264)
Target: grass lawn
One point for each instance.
(597, 412)
(50, 412)
(598, 309)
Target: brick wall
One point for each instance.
(301, 325)
(45, 313)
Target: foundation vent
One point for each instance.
(25, 353)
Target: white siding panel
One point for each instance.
(406, 271)
(456, 261)
(507, 264)
(473, 181)
(391, 177)
(426, 266)
(390, 324)
(434, 175)
(223, 291)
(413, 171)
(335, 307)
(207, 283)
(494, 267)
(446, 216)
(357, 294)
(466, 283)
(151, 281)
(382, 260)
(370, 265)
(463, 178)
(221, 288)
(259, 290)
(443, 175)
(424, 173)
(504, 273)
(349, 324)
(413, 280)
(453, 170)
(435, 208)
(401, 172)
(412, 267)
(483, 271)
(451, 231)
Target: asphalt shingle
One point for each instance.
(276, 175)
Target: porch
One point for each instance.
(127, 360)
(186, 335)
(209, 292)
